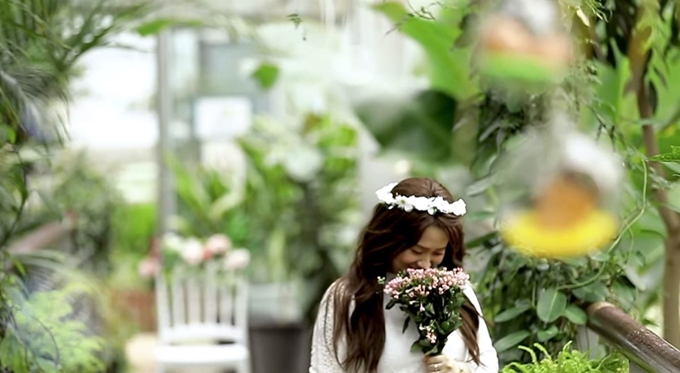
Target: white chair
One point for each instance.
(197, 308)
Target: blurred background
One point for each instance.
(248, 137)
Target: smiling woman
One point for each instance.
(428, 252)
(417, 224)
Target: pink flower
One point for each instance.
(149, 268)
(420, 293)
(192, 251)
(218, 244)
(418, 283)
(237, 259)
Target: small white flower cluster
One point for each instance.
(430, 204)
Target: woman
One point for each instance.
(354, 333)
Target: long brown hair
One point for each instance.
(388, 233)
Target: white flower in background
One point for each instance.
(237, 259)
(192, 251)
(302, 162)
(173, 242)
(149, 268)
(218, 244)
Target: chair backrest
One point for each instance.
(210, 304)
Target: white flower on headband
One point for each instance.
(430, 204)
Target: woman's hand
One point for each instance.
(442, 364)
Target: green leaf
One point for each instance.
(403, 330)
(576, 315)
(512, 313)
(6, 196)
(156, 26)
(625, 293)
(50, 203)
(600, 256)
(429, 308)
(19, 266)
(511, 340)
(594, 292)
(673, 156)
(575, 262)
(477, 241)
(547, 334)
(47, 366)
(551, 305)
(481, 215)
(450, 71)
(480, 186)
(7, 134)
(420, 125)
(266, 74)
(295, 18)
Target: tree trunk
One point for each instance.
(671, 291)
(671, 281)
(639, 56)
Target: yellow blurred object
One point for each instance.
(564, 220)
(560, 194)
(527, 233)
(566, 201)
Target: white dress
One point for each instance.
(397, 357)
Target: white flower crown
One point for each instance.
(430, 204)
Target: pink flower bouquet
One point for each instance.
(432, 299)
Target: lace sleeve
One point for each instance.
(323, 359)
(487, 353)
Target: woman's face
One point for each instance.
(428, 252)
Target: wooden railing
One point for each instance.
(646, 351)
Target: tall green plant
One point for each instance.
(209, 202)
(91, 198)
(642, 53)
(41, 42)
(301, 197)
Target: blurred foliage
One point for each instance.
(134, 227)
(301, 191)
(207, 203)
(93, 200)
(40, 336)
(294, 210)
(41, 43)
(531, 300)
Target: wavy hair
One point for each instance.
(387, 234)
